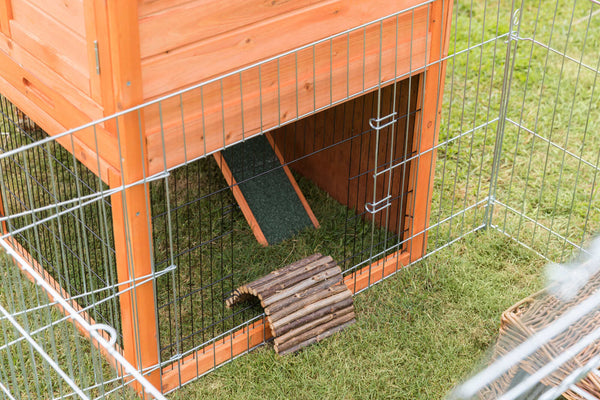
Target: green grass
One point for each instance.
(422, 331)
(416, 335)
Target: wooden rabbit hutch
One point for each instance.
(364, 79)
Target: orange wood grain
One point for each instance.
(57, 117)
(131, 211)
(428, 124)
(51, 42)
(241, 200)
(181, 67)
(336, 150)
(281, 94)
(67, 12)
(97, 24)
(18, 63)
(178, 26)
(376, 271)
(148, 7)
(5, 16)
(91, 35)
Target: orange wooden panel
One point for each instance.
(51, 42)
(85, 154)
(55, 113)
(97, 30)
(428, 125)
(376, 271)
(131, 211)
(147, 7)
(288, 87)
(336, 150)
(67, 12)
(5, 16)
(182, 67)
(179, 26)
(82, 108)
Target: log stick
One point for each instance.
(317, 338)
(273, 308)
(278, 279)
(239, 295)
(301, 275)
(313, 299)
(323, 320)
(317, 314)
(301, 286)
(309, 310)
(315, 331)
(288, 268)
(282, 278)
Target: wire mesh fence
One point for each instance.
(375, 146)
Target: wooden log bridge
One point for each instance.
(304, 302)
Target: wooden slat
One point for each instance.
(178, 26)
(428, 123)
(51, 42)
(300, 330)
(67, 12)
(5, 16)
(55, 113)
(18, 63)
(190, 64)
(290, 277)
(213, 115)
(131, 211)
(316, 334)
(96, 22)
(148, 7)
(376, 271)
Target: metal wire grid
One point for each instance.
(76, 248)
(211, 238)
(478, 182)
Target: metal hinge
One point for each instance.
(97, 57)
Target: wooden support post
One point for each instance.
(131, 208)
(427, 126)
(5, 16)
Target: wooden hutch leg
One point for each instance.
(427, 125)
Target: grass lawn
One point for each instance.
(416, 335)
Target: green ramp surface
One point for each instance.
(267, 189)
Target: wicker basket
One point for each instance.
(531, 315)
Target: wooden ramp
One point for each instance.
(265, 190)
(304, 302)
